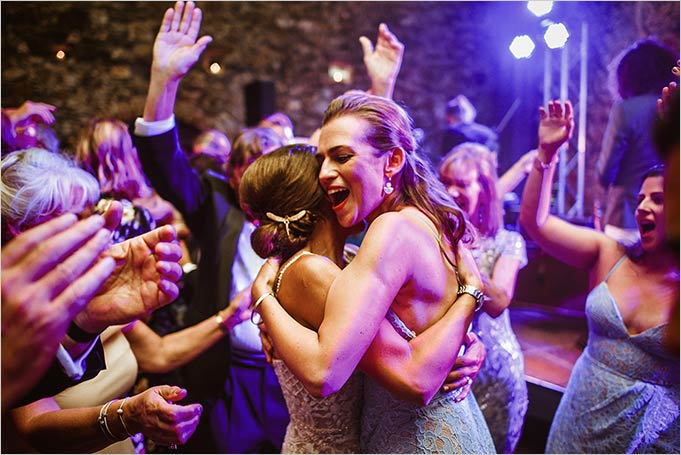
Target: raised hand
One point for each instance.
(466, 367)
(31, 112)
(664, 102)
(176, 47)
(49, 273)
(145, 278)
(382, 62)
(555, 128)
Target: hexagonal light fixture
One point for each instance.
(540, 7)
(522, 46)
(556, 36)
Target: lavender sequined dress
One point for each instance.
(623, 393)
(500, 387)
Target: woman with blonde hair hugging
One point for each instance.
(371, 170)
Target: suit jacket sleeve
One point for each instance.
(167, 167)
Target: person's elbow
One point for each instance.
(321, 385)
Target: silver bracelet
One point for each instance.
(119, 411)
(103, 424)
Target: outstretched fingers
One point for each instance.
(187, 17)
(167, 21)
(78, 294)
(177, 16)
(367, 46)
(18, 248)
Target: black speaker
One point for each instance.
(260, 101)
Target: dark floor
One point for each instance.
(551, 340)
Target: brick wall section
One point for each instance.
(451, 48)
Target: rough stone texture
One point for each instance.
(451, 48)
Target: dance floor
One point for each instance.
(548, 318)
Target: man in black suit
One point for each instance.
(245, 411)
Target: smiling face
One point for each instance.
(650, 214)
(462, 182)
(352, 172)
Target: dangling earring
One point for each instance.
(388, 187)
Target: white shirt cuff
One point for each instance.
(74, 368)
(144, 128)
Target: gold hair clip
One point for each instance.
(287, 219)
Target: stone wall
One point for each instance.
(451, 48)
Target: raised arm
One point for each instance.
(382, 62)
(516, 173)
(574, 245)
(176, 50)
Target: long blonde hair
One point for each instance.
(416, 184)
(470, 155)
(106, 151)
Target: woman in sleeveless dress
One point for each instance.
(312, 244)
(371, 170)
(469, 174)
(623, 393)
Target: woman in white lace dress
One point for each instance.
(370, 170)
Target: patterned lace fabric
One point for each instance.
(391, 425)
(623, 393)
(500, 387)
(326, 425)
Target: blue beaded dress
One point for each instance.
(623, 393)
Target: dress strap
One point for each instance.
(286, 266)
(399, 325)
(619, 261)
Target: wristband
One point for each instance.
(79, 335)
(541, 166)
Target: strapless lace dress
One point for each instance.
(321, 425)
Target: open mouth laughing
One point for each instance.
(647, 226)
(337, 196)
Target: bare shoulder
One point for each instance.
(610, 251)
(304, 286)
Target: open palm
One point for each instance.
(143, 280)
(176, 48)
(555, 125)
